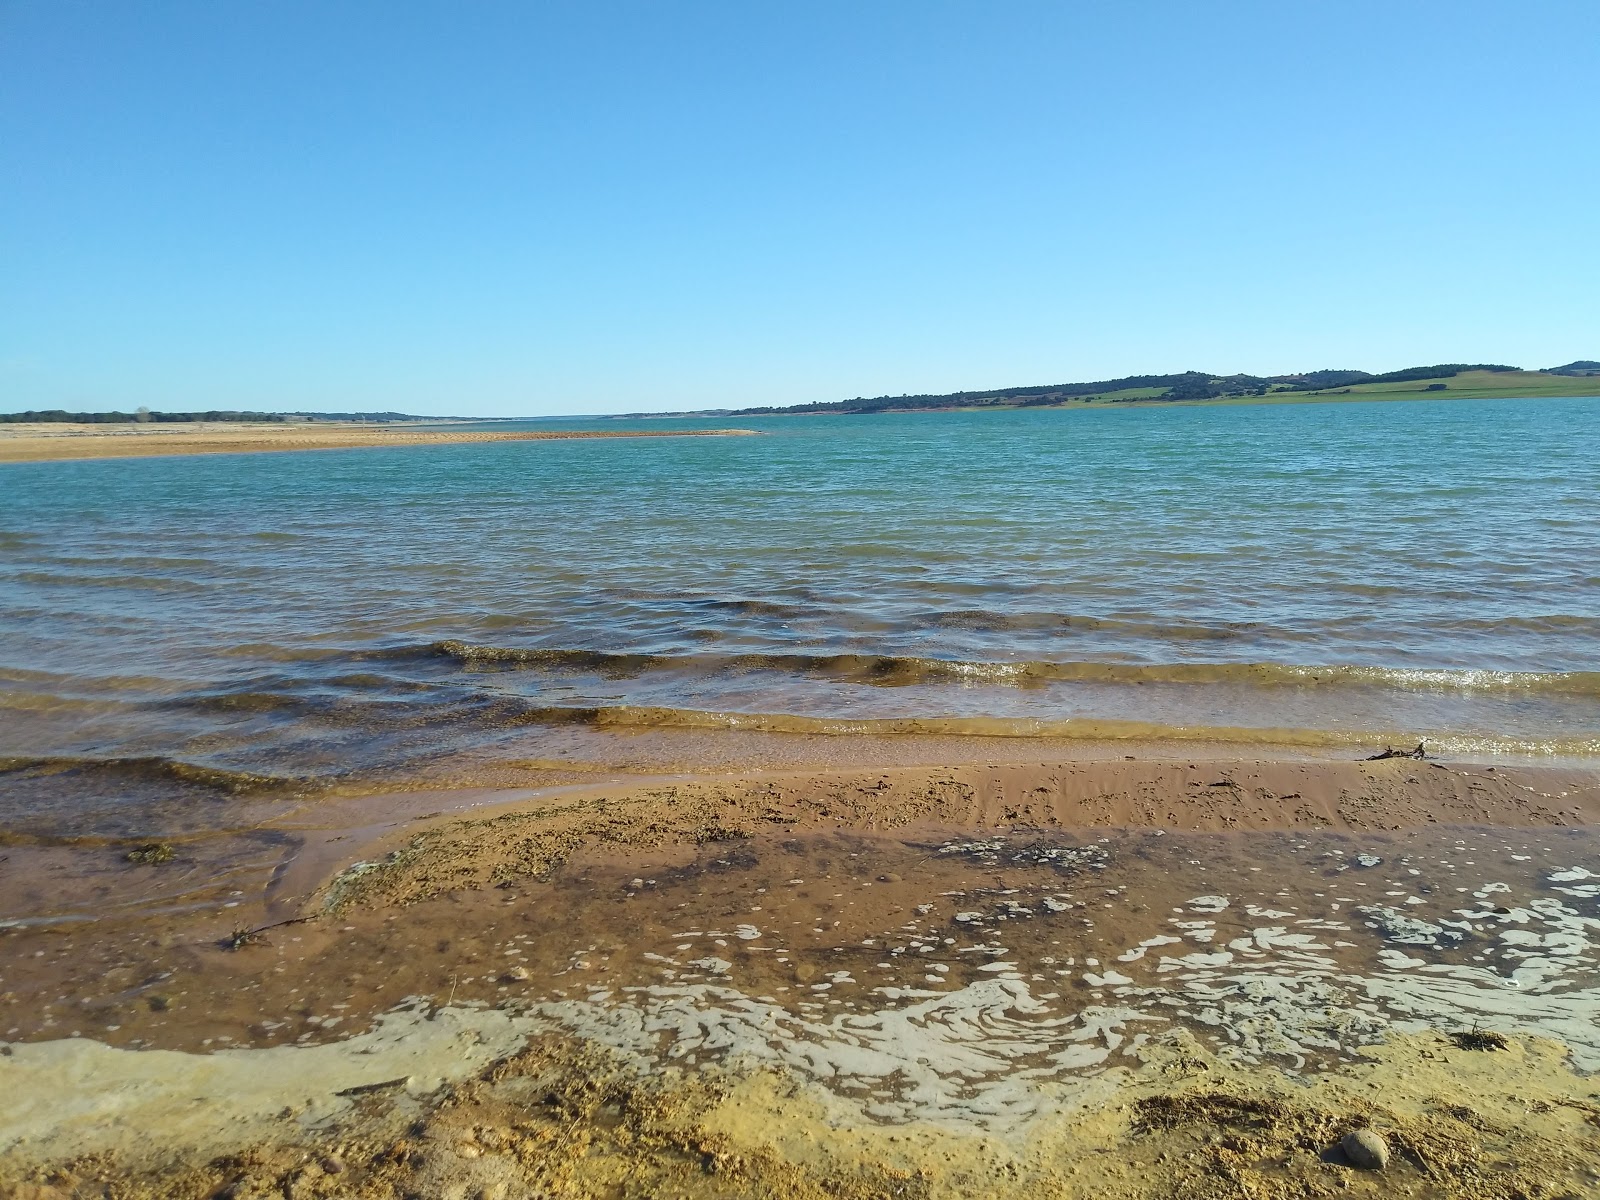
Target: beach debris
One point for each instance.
(1365, 1149)
(152, 854)
(1479, 1039)
(243, 935)
(1391, 752)
(366, 1089)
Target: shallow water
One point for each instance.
(1338, 573)
(936, 977)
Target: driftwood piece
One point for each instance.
(1391, 752)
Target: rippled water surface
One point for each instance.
(1349, 570)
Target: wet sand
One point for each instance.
(52, 443)
(1135, 977)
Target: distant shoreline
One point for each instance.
(68, 443)
(1446, 381)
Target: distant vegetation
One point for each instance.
(1467, 379)
(59, 416)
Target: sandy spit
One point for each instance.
(521, 838)
(44, 443)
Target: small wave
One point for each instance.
(906, 670)
(986, 621)
(1074, 728)
(759, 608)
(152, 768)
(273, 652)
(148, 583)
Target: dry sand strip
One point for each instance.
(32, 444)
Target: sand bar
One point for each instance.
(63, 442)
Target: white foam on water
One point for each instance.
(991, 1054)
(979, 1054)
(970, 1057)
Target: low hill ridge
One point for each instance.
(1190, 386)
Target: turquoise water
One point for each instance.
(1358, 570)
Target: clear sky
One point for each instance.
(503, 208)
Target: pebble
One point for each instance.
(890, 877)
(1365, 1149)
(805, 973)
(516, 975)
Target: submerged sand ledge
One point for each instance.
(513, 836)
(57, 443)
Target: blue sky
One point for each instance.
(520, 208)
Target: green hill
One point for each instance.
(1442, 380)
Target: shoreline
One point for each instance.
(75, 444)
(826, 970)
(440, 1034)
(1156, 402)
(384, 1003)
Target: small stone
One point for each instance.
(516, 975)
(805, 973)
(1365, 1149)
(332, 1164)
(889, 877)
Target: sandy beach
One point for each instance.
(47, 442)
(899, 967)
(1057, 686)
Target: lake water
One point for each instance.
(1320, 574)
